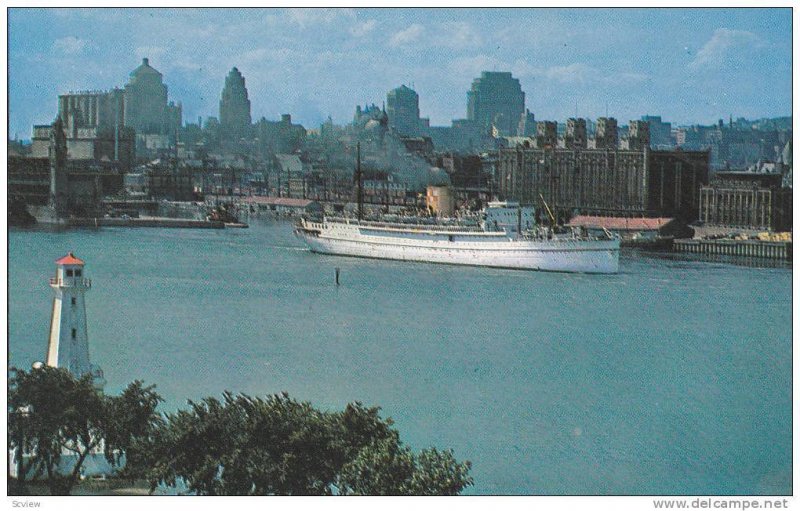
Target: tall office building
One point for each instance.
(146, 101)
(496, 100)
(234, 107)
(402, 108)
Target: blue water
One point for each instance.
(673, 377)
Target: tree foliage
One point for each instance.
(242, 445)
(53, 414)
(236, 445)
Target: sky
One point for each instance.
(687, 65)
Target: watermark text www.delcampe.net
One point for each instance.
(715, 503)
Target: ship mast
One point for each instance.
(552, 218)
(360, 197)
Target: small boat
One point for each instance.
(224, 213)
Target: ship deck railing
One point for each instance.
(531, 235)
(417, 225)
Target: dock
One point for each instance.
(179, 223)
(777, 250)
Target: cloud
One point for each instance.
(723, 45)
(362, 29)
(577, 72)
(183, 65)
(151, 52)
(410, 35)
(70, 45)
(458, 34)
(316, 16)
(453, 34)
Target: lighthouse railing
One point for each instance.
(71, 282)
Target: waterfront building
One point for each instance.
(54, 185)
(234, 106)
(28, 180)
(162, 180)
(642, 228)
(546, 134)
(290, 175)
(603, 181)
(638, 135)
(88, 144)
(386, 191)
(284, 205)
(606, 133)
(402, 109)
(575, 135)
(68, 346)
(496, 100)
(466, 173)
(746, 200)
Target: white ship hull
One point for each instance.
(464, 248)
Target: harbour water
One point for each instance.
(672, 377)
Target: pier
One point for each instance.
(146, 222)
(778, 250)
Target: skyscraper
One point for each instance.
(146, 101)
(234, 106)
(402, 107)
(496, 99)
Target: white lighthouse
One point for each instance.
(69, 340)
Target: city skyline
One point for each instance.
(700, 65)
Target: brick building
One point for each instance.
(746, 200)
(603, 181)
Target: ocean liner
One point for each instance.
(506, 237)
(535, 249)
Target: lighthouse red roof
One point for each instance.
(69, 259)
